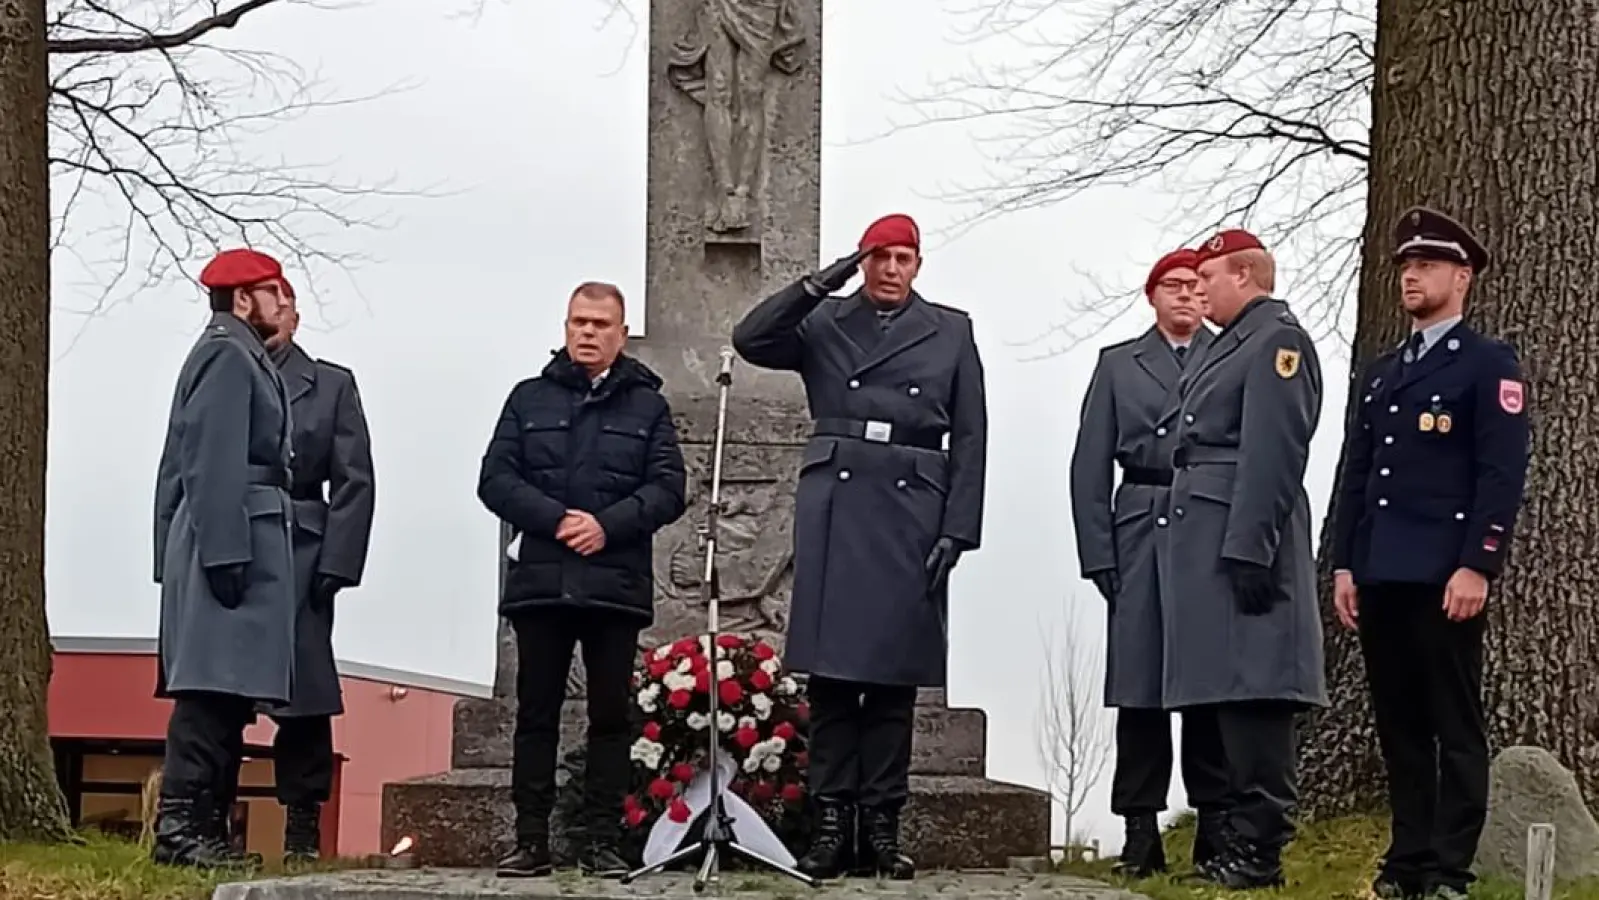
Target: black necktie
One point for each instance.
(1413, 348)
(1182, 353)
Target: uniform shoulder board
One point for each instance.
(947, 308)
(335, 366)
(1110, 348)
(1287, 317)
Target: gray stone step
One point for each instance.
(480, 885)
(463, 819)
(948, 741)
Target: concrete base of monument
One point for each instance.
(462, 818)
(479, 885)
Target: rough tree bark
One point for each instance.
(1493, 117)
(31, 805)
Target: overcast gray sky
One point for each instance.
(544, 152)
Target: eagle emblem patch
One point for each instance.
(1287, 362)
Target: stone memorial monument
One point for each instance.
(733, 214)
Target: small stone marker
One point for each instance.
(1540, 861)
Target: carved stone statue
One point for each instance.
(723, 64)
(755, 560)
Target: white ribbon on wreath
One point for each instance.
(749, 829)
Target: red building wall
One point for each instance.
(395, 725)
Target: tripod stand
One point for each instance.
(717, 838)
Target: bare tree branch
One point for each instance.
(1242, 113)
(154, 135)
(1074, 743)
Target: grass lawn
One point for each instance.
(102, 868)
(1333, 860)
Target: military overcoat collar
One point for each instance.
(1154, 355)
(299, 371)
(856, 318)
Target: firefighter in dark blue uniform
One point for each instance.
(1435, 460)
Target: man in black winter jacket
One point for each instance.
(585, 466)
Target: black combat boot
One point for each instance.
(880, 835)
(832, 843)
(185, 835)
(1244, 865)
(529, 859)
(1210, 835)
(601, 856)
(222, 828)
(1142, 854)
(302, 833)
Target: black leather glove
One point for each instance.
(324, 588)
(227, 584)
(835, 276)
(1108, 583)
(1253, 587)
(940, 561)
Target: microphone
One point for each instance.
(725, 374)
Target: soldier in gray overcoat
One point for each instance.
(222, 553)
(890, 494)
(1120, 549)
(1243, 632)
(334, 494)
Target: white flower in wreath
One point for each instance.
(684, 665)
(762, 705)
(647, 752)
(751, 764)
(772, 763)
(770, 666)
(773, 746)
(724, 671)
(705, 644)
(788, 687)
(677, 681)
(725, 721)
(699, 721)
(747, 722)
(647, 698)
(663, 651)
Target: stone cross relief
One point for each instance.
(723, 62)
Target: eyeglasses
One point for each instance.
(1177, 284)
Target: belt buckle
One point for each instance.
(878, 432)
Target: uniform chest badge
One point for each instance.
(1445, 423)
(1426, 422)
(1287, 362)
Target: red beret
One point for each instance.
(1177, 259)
(239, 268)
(1230, 241)
(897, 230)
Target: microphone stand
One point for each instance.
(717, 839)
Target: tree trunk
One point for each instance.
(1489, 112)
(31, 806)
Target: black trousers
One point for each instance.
(860, 742)
(1142, 777)
(205, 738)
(1425, 675)
(545, 640)
(1257, 740)
(302, 761)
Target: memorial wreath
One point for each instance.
(761, 724)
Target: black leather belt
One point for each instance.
(877, 432)
(1146, 475)
(307, 492)
(1201, 455)
(270, 476)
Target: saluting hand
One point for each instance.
(835, 276)
(1465, 594)
(1346, 600)
(581, 532)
